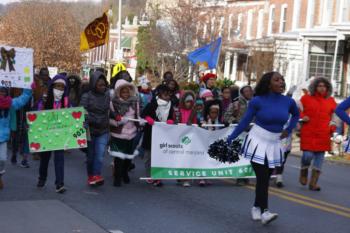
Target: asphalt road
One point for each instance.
(141, 208)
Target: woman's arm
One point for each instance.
(341, 111)
(294, 111)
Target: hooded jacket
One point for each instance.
(16, 104)
(150, 111)
(188, 116)
(120, 129)
(97, 106)
(74, 83)
(236, 110)
(49, 104)
(316, 133)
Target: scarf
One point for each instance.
(5, 102)
(163, 109)
(122, 106)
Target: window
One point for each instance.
(296, 14)
(271, 20)
(221, 27)
(205, 29)
(321, 66)
(260, 28)
(239, 23)
(249, 25)
(327, 12)
(229, 27)
(310, 13)
(283, 19)
(343, 12)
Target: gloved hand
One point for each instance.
(149, 120)
(170, 122)
(118, 118)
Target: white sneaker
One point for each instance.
(268, 217)
(256, 213)
(279, 181)
(186, 184)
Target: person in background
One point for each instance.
(206, 95)
(317, 128)
(96, 102)
(188, 116)
(234, 92)
(270, 111)
(161, 109)
(237, 109)
(209, 81)
(6, 103)
(287, 148)
(212, 117)
(125, 105)
(199, 111)
(74, 85)
(57, 98)
(226, 98)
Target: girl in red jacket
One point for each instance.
(317, 110)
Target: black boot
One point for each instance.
(118, 166)
(127, 163)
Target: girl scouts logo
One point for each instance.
(7, 57)
(186, 140)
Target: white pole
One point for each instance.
(334, 61)
(119, 26)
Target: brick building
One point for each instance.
(299, 38)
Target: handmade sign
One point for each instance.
(16, 67)
(56, 129)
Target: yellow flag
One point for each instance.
(95, 34)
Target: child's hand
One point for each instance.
(149, 120)
(170, 122)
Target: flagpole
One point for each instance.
(109, 16)
(119, 25)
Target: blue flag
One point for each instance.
(207, 56)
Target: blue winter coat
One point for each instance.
(17, 103)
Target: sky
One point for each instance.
(8, 1)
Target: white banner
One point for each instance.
(180, 152)
(16, 67)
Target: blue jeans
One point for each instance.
(308, 156)
(96, 151)
(59, 165)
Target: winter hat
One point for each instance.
(189, 98)
(208, 76)
(206, 93)
(199, 102)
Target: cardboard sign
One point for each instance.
(56, 129)
(16, 67)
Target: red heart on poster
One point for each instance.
(31, 117)
(81, 142)
(76, 115)
(35, 146)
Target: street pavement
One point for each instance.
(141, 208)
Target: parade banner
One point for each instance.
(16, 67)
(180, 152)
(56, 129)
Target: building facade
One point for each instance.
(299, 38)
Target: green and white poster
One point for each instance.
(56, 129)
(180, 152)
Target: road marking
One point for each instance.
(304, 200)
